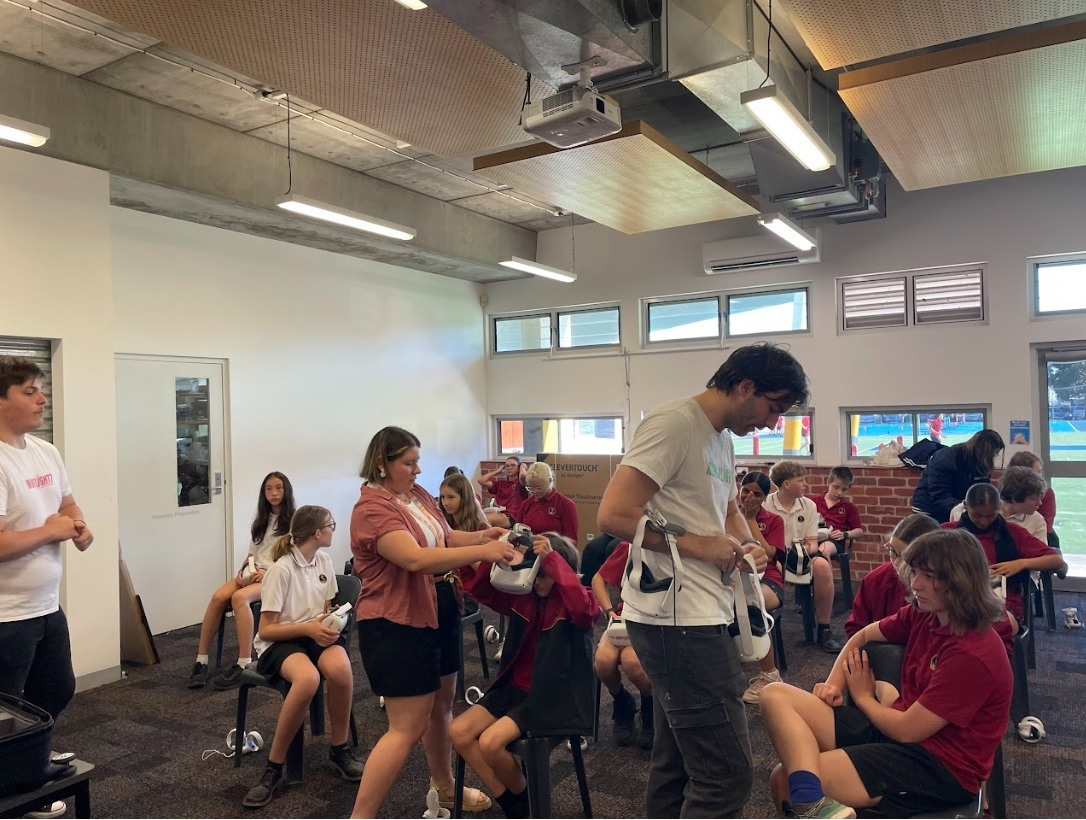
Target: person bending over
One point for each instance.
(953, 470)
(295, 644)
(274, 510)
(612, 660)
(923, 750)
(544, 684)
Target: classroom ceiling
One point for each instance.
(389, 107)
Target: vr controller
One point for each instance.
(337, 618)
(519, 578)
(250, 569)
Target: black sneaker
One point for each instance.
(228, 679)
(622, 715)
(348, 766)
(262, 793)
(828, 642)
(198, 678)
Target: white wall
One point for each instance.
(323, 351)
(1001, 222)
(57, 283)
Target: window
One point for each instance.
(791, 438)
(588, 328)
(39, 351)
(580, 436)
(870, 427)
(928, 297)
(564, 329)
(522, 333)
(760, 314)
(685, 319)
(1059, 287)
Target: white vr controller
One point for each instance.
(250, 569)
(337, 618)
(253, 741)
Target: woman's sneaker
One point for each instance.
(262, 793)
(228, 679)
(758, 683)
(58, 808)
(826, 807)
(348, 766)
(198, 678)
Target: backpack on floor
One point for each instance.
(26, 737)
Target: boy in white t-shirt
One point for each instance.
(37, 515)
(800, 516)
(681, 463)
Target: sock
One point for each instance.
(341, 747)
(277, 767)
(202, 659)
(243, 662)
(823, 628)
(513, 805)
(804, 787)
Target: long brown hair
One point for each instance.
(960, 567)
(469, 518)
(387, 444)
(303, 526)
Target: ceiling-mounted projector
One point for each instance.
(574, 116)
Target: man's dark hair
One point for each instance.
(15, 370)
(772, 369)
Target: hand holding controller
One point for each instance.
(249, 571)
(337, 618)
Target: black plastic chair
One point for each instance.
(349, 587)
(843, 556)
(467, 619)
(255, 607)
(777, 636)
(535, 751)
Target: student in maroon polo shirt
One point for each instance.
(1010, 549)
(545, 509)
(933, 746)
(506, 484)
(841, 516)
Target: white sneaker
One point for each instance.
(498, 654)
(758, 683)
(57, 808)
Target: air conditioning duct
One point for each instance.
(755, 253)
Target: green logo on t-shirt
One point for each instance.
(720, 472)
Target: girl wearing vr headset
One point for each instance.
(544, 683)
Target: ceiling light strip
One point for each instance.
(791, 129)
(536, 269)
(23, 132)
(787, 230)
(342, 216)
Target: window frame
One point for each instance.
(910, 277)
(495, 318)
(752, 461)
(648, 303)
(1053, 260)
(556, 327)
(552, 313)
(747, 293)
(915, 410)
(497, 420)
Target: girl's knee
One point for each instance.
(774, 695)
(461, 733)
(491, 745)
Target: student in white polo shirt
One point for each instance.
(295, 644)
(800, 516)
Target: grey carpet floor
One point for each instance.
(146, 734)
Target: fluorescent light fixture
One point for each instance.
(516, 263)
(414, 5)
(787, 230)
(22, 132)
(341, 216)
(781, 119)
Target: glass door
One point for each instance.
(1062, 437)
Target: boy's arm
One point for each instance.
(477, 584)
(599, 589)
(582, 607)
(855, 526)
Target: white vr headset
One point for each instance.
(752, 624)
(518, 578)
(651, 596)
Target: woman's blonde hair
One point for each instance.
(303, 526)
(957, 561)
(539, 470)
(469, 518)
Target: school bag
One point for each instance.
(26, 736)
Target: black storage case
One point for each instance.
(26, 736)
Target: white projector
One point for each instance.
(572, 117)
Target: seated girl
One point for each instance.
(295, 644)
(544, 684)
(1011, 550)
(768, 530)
(274, 509)
(930, 747)
(612, 660)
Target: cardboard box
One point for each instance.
(583, 480)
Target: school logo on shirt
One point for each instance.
(800, 519)
(761, 526)
(40, 481)
(552, 511)
(933, 662)
(323, 578)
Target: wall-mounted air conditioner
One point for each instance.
(758, 251)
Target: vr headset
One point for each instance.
(616, 632)
(653, 596)
(752, 623)
(797, 565)
(518, 578)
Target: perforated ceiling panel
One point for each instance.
(1011, 114)
(410, 74)
(636, 181)
(846, 32)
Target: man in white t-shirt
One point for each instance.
(681, 463)
(37, 515)
(800, 516)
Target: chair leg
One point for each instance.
(846, 577)
(458, 788)
(582, 779)
(218, 641)
(805, 596)
(316, 711)
(997, 796)
(777, 636)
(1020, 695)
(482, 648)
(538, 765)
(596, 719)
(295, 752)
(354, 730)
(239, 726)
(460, 685)
(1050, 600)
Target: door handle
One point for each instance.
(217, 489)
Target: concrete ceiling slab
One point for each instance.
(43, 39)
(502, 206)
(331, 144)
(546, 222)
(170, 84)
(426, 178)
(218, 213)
